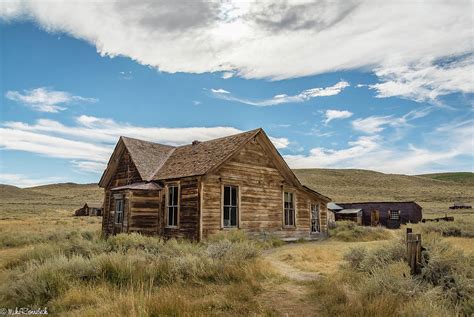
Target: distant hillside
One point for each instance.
(67, 196)
(435, 192)
(459, 177)
(361, 185)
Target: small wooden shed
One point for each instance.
(387, 214)
(89, 209)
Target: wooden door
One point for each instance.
(315, 218)
(375, 218)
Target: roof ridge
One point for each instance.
(222, 137)
(141, 140)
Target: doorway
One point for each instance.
(374, 218)
(314, 218)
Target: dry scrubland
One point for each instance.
(49, 258)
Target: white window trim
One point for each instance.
(238, 206)
(294, 209)
(167, 205)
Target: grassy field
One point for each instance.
(48, 258)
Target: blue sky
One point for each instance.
(68, 89)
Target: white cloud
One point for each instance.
(20, 180)
(89, 143)
(275, 39)
(425, 82)
(45, 100)
(331, 114)
(376, 124)
(447, 146)
(373, 124)
(303, 96)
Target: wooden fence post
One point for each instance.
(418, 254)
(414, 252)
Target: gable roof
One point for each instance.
(156, 161)
(148, 157)
(200, 158)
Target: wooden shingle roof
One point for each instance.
(158, 162)
(199, 158)
(148, 157)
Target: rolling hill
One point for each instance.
(459, 177)
(435, 192)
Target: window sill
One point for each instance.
(171, 227)
(289, 227)
(230, 228)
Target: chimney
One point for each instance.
(196, 142)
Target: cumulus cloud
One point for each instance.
(331, 114)
(303, 96)
(44, 99)
(401, 41)
(89, 143)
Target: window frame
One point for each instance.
(237, 206)
(168, 206)
(285, 225)
(394, 212)
(119, 211)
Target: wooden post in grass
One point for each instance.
(418, 254)
(414, 252)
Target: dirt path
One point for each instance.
(288, 295)
(286, 270)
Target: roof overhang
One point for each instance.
(139, 186)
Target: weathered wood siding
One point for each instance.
(145, 208)
(125, 174)
(188, 214)
(261, 188)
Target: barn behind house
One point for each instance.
(199, 189)
(387, 214)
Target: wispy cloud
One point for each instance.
(376, 124)
(89, 143)
(44, 99)
(426, 81)
(21, 180)
(331, 114)
(303, 96)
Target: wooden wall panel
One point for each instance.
(188, 227)
(261, 196)
(125, 174)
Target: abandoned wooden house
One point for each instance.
(387, 214)
(89, 209)
(199, 189)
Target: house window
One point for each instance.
(119, 211)
(289, 209)
(231, 206)
(173, 206)
(394, 214)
